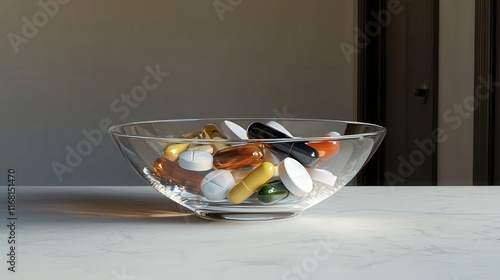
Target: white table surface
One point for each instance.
(134, 233)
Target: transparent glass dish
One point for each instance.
(143, 144)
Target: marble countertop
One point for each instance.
(134, 233)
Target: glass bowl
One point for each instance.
(247, 169)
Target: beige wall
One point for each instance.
(262, 58)
(456, 88)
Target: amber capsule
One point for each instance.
(172, 172)
(238, 157)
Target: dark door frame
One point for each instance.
(487, 115)
(371, 88)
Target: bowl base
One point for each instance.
(242, 216)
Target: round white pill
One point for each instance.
(216, 184)
(233, 131)
(295, 177)
(196, 160)
(278, 127)
(322, 177)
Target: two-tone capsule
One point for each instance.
(246, 187)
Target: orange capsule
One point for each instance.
(172, 172)
(326, 149)
(238, 157)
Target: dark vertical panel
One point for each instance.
(496, 140)
(370, 86)
(484, 116)
(421, 72)
(397, 92)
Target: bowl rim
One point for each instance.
(380, 130)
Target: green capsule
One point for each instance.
(272, 192)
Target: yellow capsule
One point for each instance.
(173, 151)
(251, 183)
(193, 135)
(210, 131)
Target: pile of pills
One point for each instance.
(273, 172)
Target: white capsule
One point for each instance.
(233, 131)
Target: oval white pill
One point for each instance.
(295, 177)
(216, 184)
(278, 127)
(322, 177)
(233, 131)
(205, 148)
(196, 160)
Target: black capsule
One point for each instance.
(305, 154)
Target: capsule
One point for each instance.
(246, 187)
(172, 172)
(238, 157)
(193, 135)
(306, 155)
(326, 149)
(173, 151)
(272, 192)
(211, 131)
